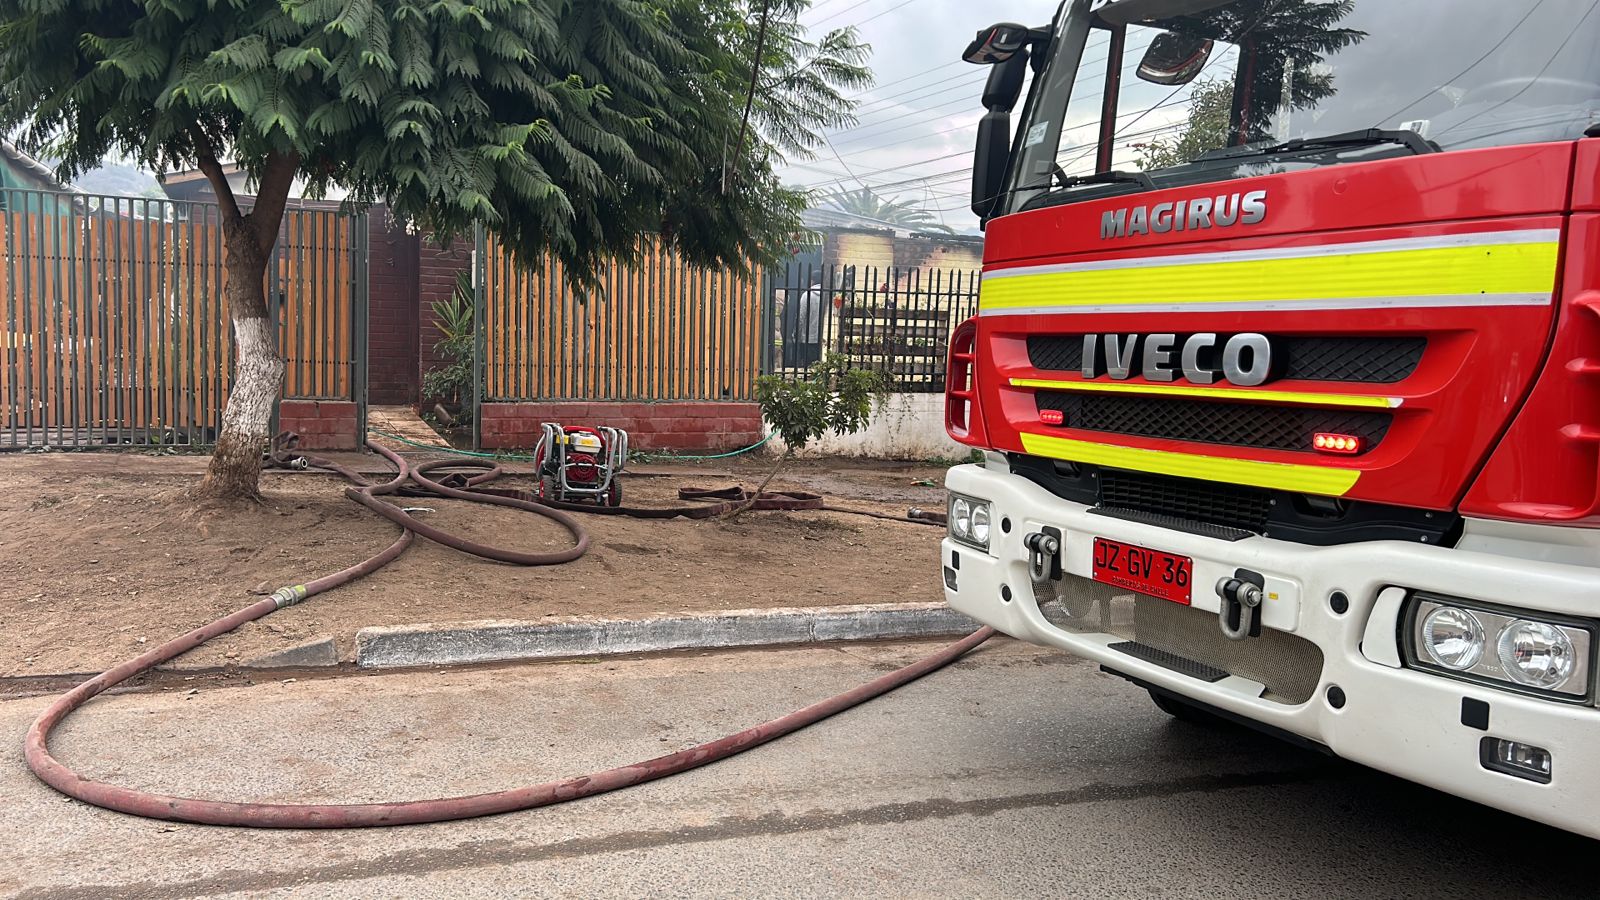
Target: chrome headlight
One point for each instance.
(1502, 647)
(969, 521)
(1452, 637)
(1536, 654)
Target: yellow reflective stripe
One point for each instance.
(1281, 476)
(1213, 393)
(1513, 268)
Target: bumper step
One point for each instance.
(1180, 664)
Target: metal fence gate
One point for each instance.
(116, 330)
(892, 319)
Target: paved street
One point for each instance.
(1018, 772)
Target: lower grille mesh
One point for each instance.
(1198, 501)
(1234, 424)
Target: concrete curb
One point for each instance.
(498, 641)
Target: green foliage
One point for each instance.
(1292, 36)
(1210, 101)
(569, 126)
(797, 92)
(452, 382)
(832, 397)
(865, 202)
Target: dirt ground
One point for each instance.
(103, 556)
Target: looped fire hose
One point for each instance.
(360, 815)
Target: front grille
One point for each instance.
(1199, 501)
(1235, 424)
(1368, 360)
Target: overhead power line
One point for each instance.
(879, 87)
(841, 12)
(885, 12)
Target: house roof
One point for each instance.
(33, 166)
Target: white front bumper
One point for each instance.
(1398, 720)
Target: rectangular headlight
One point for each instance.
(969, 520)
(1532, 653)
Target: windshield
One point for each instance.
(1458, 75)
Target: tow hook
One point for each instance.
(1044, 555)
(1240, 615)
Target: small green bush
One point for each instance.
(452, 383)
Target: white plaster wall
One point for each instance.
(905, 426)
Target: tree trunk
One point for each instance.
(735, 514)
(235, 468)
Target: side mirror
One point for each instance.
(996, 44)
(1174, 58)
(1000, 95)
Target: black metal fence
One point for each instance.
(892, 319)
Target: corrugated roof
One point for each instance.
(39, 169)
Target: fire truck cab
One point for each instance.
(1287, 370)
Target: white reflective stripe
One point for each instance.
(1434, 242)
(1453, 300)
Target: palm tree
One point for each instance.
(867, 204)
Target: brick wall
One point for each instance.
(437, 268)
(882, 249)
(321, 424)
(393, 367)
(680, 426)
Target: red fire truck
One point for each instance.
(1287, 370)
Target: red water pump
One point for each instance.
(579, 462)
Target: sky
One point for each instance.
(918, 125)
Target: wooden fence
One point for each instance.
(661, 330)
(115, 327)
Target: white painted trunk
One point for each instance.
(257, 379)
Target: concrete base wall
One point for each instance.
(321, 424)
(906, 426)
(677, 426)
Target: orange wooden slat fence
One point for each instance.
(114, 326)
(663, 330)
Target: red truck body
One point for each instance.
(1500, 416)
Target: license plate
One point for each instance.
(1153, 572)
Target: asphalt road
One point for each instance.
(1018, 772)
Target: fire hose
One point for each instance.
(419, 481)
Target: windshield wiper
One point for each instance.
(1058, 190)
(1064, 182)
(1372, 137)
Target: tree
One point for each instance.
(868, 204)
(797, 91)
(832, 397)
(1210, 101)
(1292, 35)
(565, 126)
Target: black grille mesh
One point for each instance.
(1200, 501)
(1056, 353)
(1373, 360)
(1235, 424)
(1369, 360)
